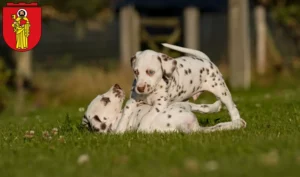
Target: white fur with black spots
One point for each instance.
(104, 114)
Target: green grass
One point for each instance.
(269, 146)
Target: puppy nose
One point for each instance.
(141, 89)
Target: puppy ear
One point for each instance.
(168, 64)
(133, 58)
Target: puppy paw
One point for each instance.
(240, 123)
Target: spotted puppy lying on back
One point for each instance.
(161, 81)
(104, 113)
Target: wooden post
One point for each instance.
(125, 35)
(136, 31)
(261, 37)
(191, 27)
(129, 34)
(239, 44)
(23, 71)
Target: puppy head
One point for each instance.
(103, 109)
(149, 68)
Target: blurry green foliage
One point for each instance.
(83, 9)
(287, 14)
(4, 76)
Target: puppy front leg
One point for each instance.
(146, 122)
(126, 116)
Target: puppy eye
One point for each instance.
(150, 72)
(136, 72)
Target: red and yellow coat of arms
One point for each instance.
(22, 25)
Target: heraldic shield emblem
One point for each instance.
(22, 25)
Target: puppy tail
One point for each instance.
(187, 51)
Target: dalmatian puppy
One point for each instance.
(161, 80)
(177, 117)
(104, 113)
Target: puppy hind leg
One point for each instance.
(221, 92)
(218, 127)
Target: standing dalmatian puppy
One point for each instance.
(104, 113)
(161, 80)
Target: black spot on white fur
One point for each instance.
(103, 126)
(207, 71)
(159, 59)
(211, 65)
(117, 91)
(97, 118)
(105, 100)
(165, 79)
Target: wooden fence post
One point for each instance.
(23, 62)
(136, 28)
(125, 35)
(261, 38)
(191, 27)
(239, 44)
(129, 34)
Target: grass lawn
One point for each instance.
(269, 146)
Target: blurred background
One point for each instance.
(86, 46)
